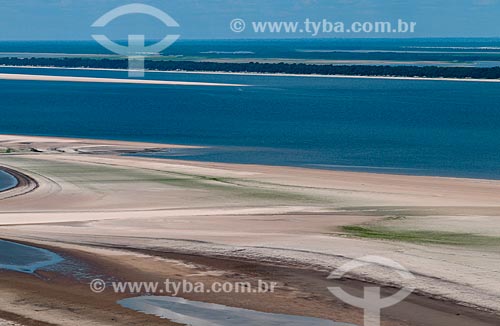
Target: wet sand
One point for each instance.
(50, 297)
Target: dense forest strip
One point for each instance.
(272, 68)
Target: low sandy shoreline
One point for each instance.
(25, 184)
(109, 80)
(12, 184)
(89, 200)
(474, 80)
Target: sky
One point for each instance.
(210, 19)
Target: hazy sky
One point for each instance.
(206, 19)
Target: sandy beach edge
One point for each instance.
(49, 78)
(475, 80)
(22, 181)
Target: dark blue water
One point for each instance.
(7, 181)
(26, 259)
(396, 126)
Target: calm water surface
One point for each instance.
(7, 181)
(26, 259)
(392, 126)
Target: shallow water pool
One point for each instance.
(7, 181)
(195, 313)
(26, 259)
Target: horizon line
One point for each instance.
(277, 39)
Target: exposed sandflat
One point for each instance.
(92, 196)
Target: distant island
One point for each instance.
(270, 68)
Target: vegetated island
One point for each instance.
(269, 68)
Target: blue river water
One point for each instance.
(7, 181)
(25, 259)
(443, 128)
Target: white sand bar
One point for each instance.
(108, 80)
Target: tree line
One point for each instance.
(258, 67)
